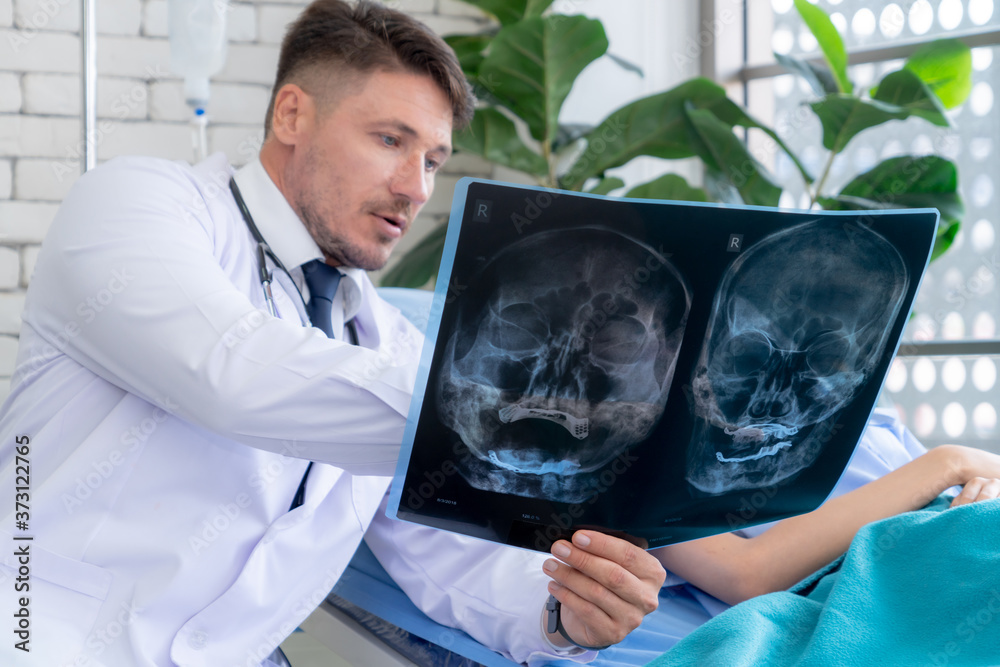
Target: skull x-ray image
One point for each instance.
(564, 359)
(799, 322)
(662, 371)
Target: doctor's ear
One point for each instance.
(294, 115)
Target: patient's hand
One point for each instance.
(976, 489)
(978, 473)
(606, 586)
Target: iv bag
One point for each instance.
(197, 31)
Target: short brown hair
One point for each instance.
(332, 34)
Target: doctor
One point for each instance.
(165, 420)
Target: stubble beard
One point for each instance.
(342, 251)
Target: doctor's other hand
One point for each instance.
(606, 586)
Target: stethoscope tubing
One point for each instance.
(263, 253)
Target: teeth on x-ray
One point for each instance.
(764, 451)
(760, 433)
(577, 427)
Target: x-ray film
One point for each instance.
(657, 370)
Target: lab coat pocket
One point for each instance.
(54, 602)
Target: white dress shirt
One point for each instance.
(170, 419)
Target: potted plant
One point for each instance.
(523, 68)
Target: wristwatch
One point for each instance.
(553, 623)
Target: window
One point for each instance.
(944, 383)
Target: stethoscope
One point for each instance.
(266, 278)
(264, 274)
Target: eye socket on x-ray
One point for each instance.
(616, 340)
(828, 355)
(526, 331)
(746, 353)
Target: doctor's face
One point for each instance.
(368, 165)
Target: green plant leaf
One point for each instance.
(844, 116)
(927, 181)
(418, 266)
(905, 89)
(511, 11)
(668, 186)
(657, 126)
(469, 49)
(727, 156)
(820, 79)
(907, 181)
(494, 137)
(606, 185)
(945, 65)
(946, 234)
(830, 42)
(532, 64)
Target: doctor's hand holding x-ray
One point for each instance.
(172, 419)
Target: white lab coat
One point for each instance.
(170, 420)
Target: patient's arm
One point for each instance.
(734, 569)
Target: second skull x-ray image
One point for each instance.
(798, 325)
(645, 368)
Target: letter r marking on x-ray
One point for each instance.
(481, 211)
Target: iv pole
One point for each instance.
(88, 110)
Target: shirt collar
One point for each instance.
(285, 233)
(278, 224)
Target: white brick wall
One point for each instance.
(29, 255)
(11, 305)
(273, 20)
(44, 180)
(25, 221)
(8, 353)
(10, 268)
(241, 24)
(141, 110)
(114, 17)
(10, 92)
(37, 136)
(6, 179)
(6, 13)
(26, 51)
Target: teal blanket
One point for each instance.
(922, 588)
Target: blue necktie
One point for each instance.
(322, 280)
